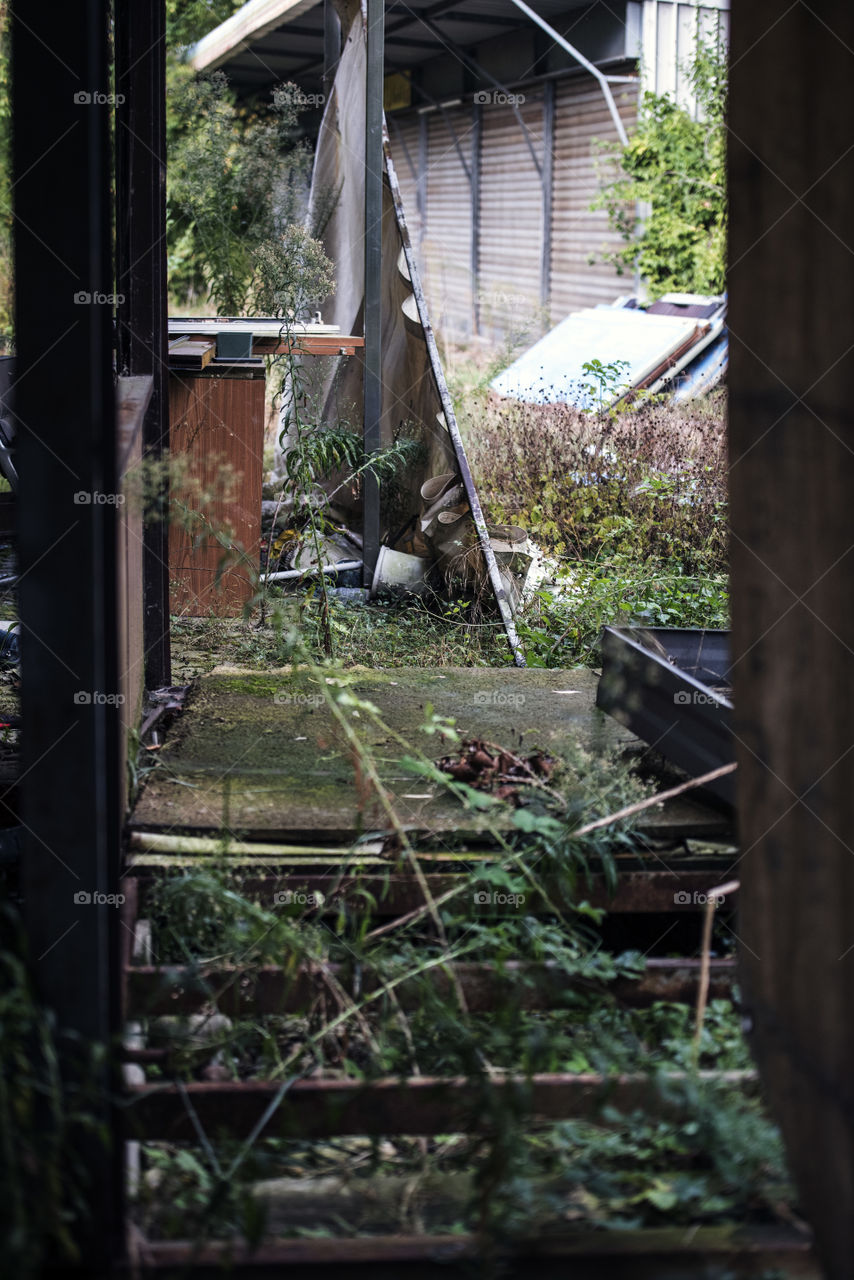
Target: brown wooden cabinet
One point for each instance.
(216, 420)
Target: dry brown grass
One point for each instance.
(650, 481)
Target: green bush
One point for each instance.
(675, 165)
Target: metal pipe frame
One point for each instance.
(600, 76)
(374, 67)
(475, 66)
(548, 187)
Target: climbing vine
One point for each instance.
(673, 173)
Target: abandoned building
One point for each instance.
(300, 955)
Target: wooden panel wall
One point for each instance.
(217, 447)
(791, 326)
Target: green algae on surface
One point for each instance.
(261, 753)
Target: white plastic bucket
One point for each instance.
(397, 571)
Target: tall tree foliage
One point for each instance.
(237, 185)
(237, 180)
(188, 20)
(674, 168)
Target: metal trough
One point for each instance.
(670, 686)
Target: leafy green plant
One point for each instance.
(388, 1003)
(649, 481)
(188, 20)
(314, 451)
(605, 381)
(674, 167)
(46, 1106)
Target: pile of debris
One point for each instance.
(438, 548)
(488, 767)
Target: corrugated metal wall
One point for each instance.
(446, 245)
(496, 287)
(510, 240)
(670, 30)
(404, 136)
(581, 119)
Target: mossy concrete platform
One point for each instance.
(261, 755)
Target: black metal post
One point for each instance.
(374, 165)
(421, 189)
(141, 277)
(547, 177)
(71, 789)
(474, 184)
(331, 45)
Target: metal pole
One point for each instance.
(584, 62)
(423, 166)
(331, 45)
(468, 61)
(548, 183)
(474, 182)
(373, 274)
(141, 316)
(71, 786)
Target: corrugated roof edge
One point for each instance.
(251, 22)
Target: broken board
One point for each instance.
(261, 756)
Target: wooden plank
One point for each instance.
(191, 353)
(133, 397)
(421, 1105)
(310, 345)
(393, 894)
(646, 1254)
(295, 771)
(141, 276)
(258, 326)
(173, 989)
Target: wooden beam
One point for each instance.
(153, 991)
(422, 1105)
(791, 332)
(141, 319)
(639, 892)
(653, 1253)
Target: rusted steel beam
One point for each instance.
(157, 991)
(394, 894)
(419, 1105)
(647, 1254)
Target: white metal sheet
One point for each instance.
(552, 370)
